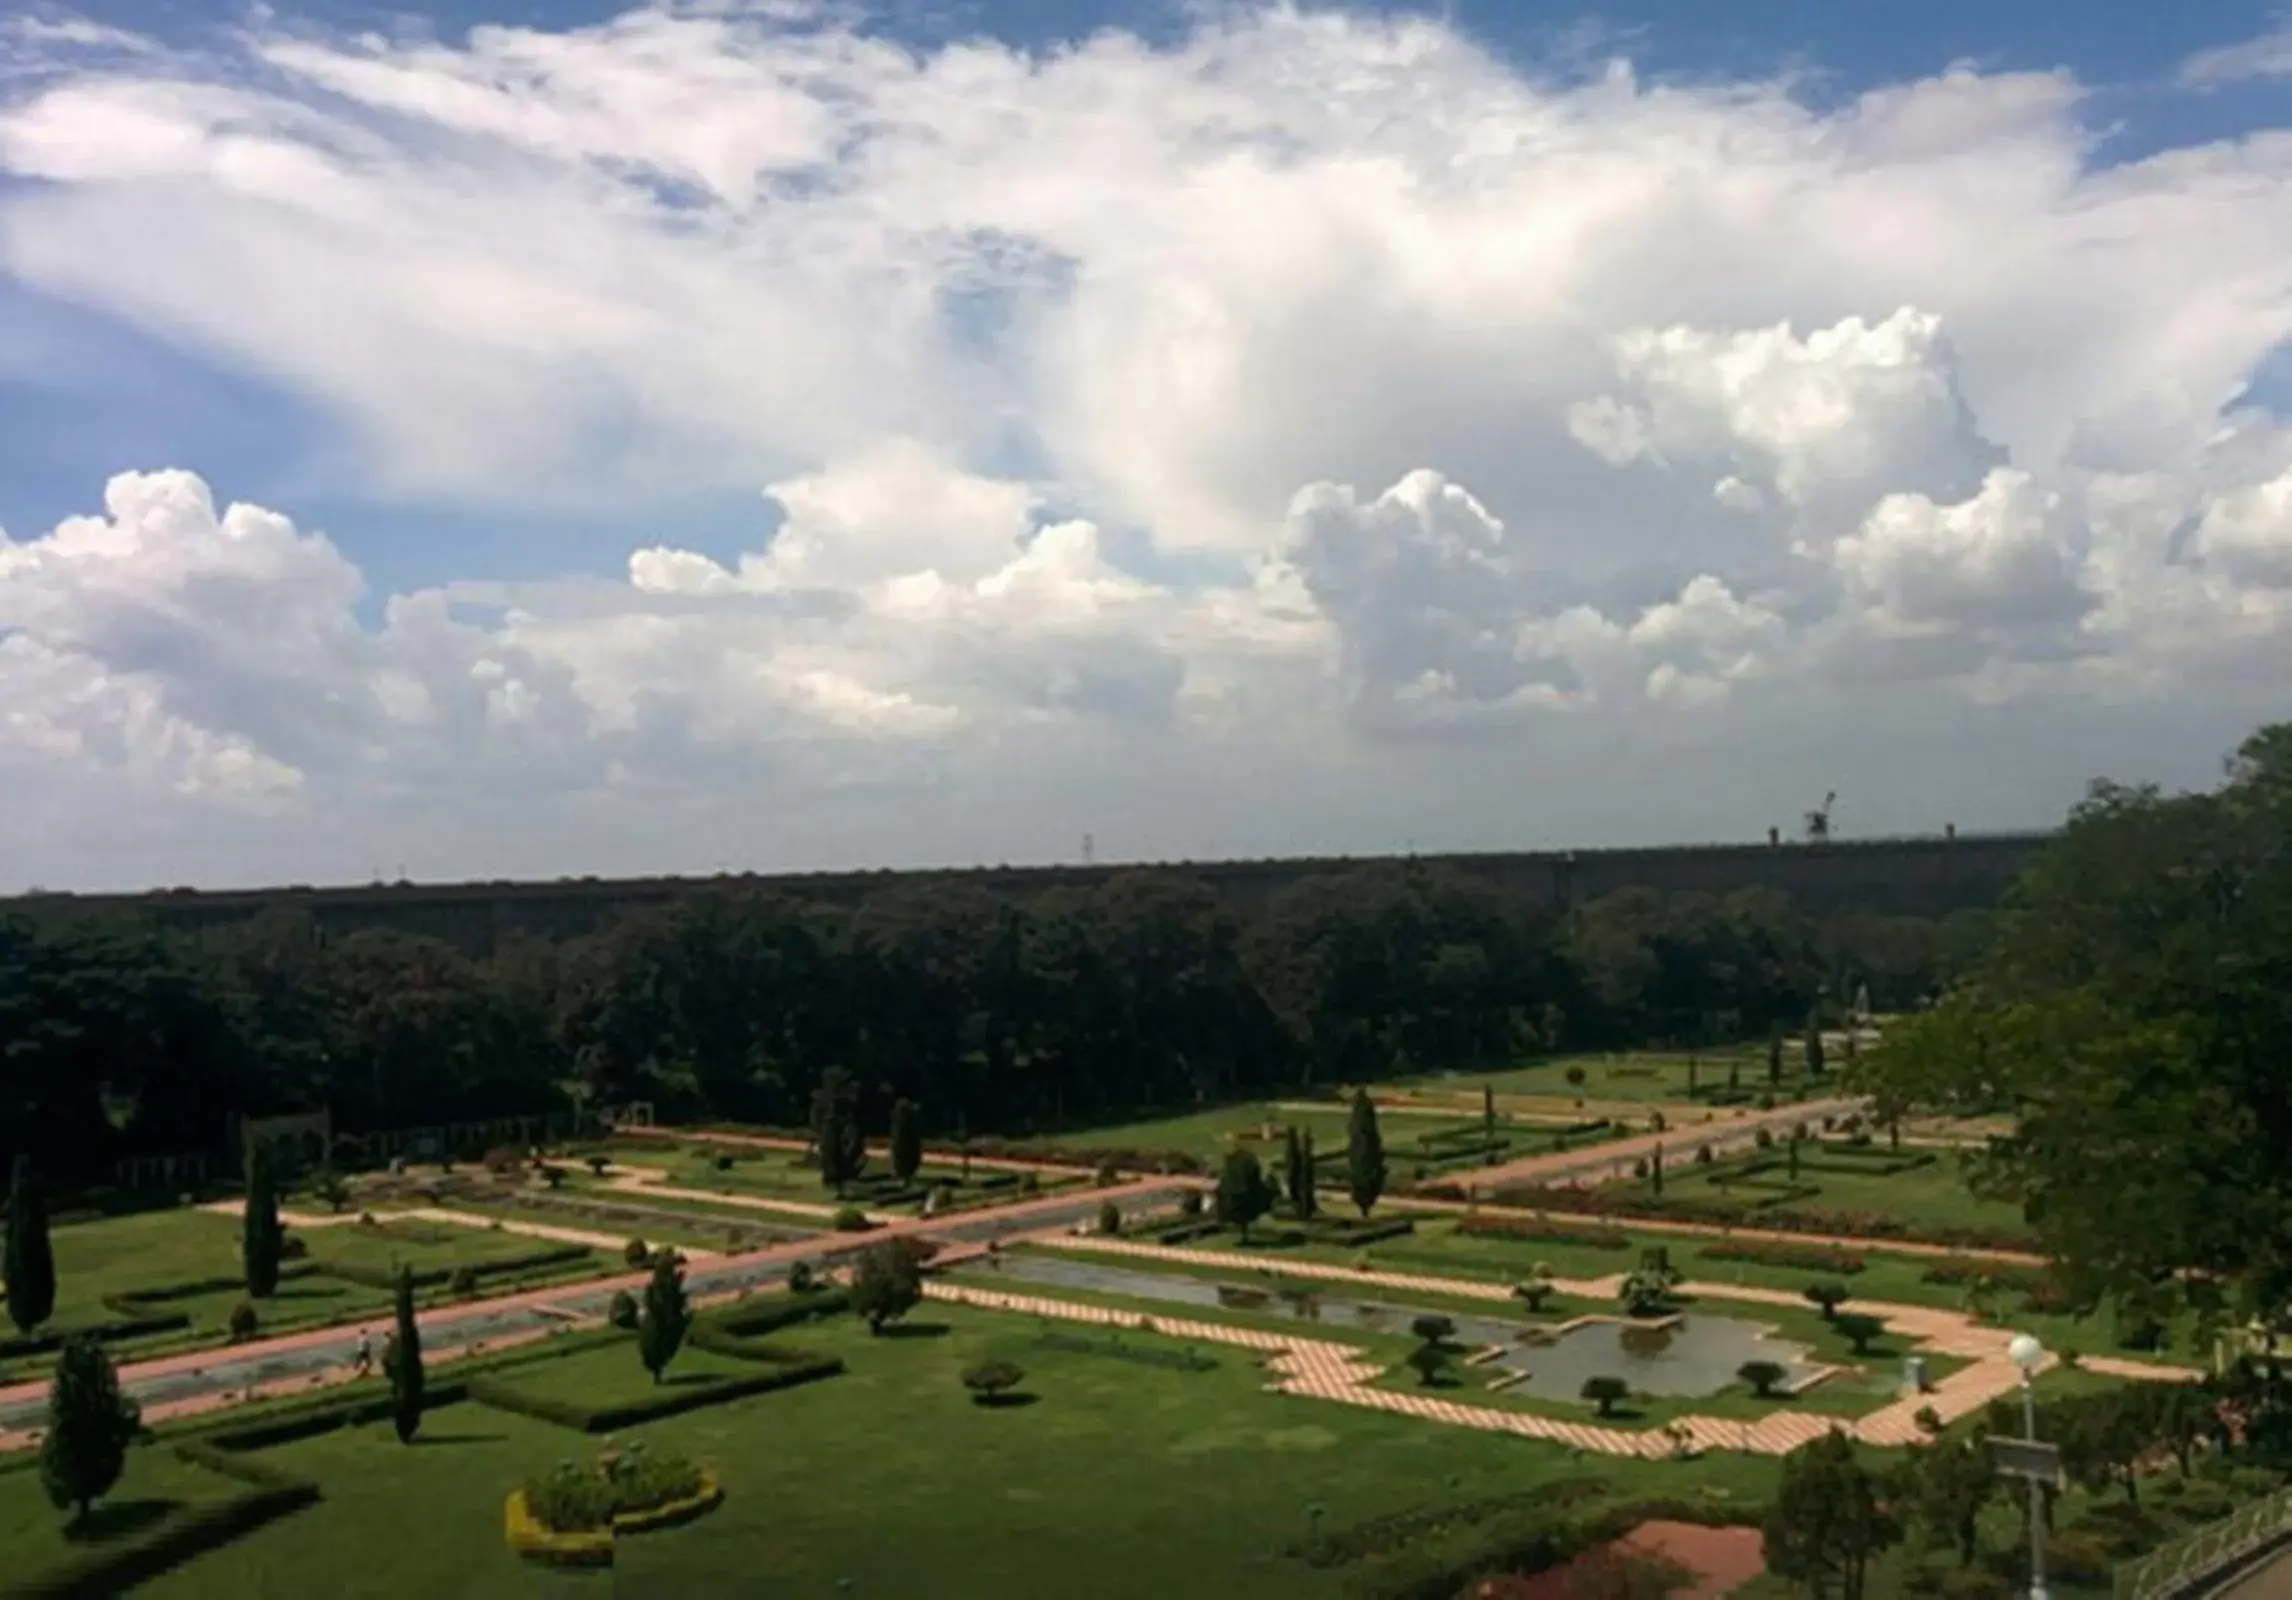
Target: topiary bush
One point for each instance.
(1109, 1218)
(802, 1279)
(1108, 1174)
(1190, 1203)
(573, 1500)
(636, 1252)
(851, 1219)
(463, 1285)
(990, 1381)
(622, 1312)
(245, 1321)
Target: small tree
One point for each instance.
(1109, 1218)
(90, 1425)
(989, 1381)
(597, 1164)
(1859, 1329)
(1488, 1111)
(1762, 1376)
(887, 1284)
(1433, 1352)
(1826, 1520)
(1655, 1170)
(1791, 1165)
(329, 1186)
(30, 1263)
(1533, 1290)
(1774, 1056)
(1814, 1040)
(836, 1132)
(1826, 1298)
(1575, 1077)
(262, 1242)
(1364, 1153)
(906, 1139)
(621, 1310)
(665, 1316)
(1299, 1173)
(1606, 1392)
(1243, 1193)
(402, 1363)
(1950, 1484)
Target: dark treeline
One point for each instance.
(1144, 992)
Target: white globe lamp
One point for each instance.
(2025, 1352)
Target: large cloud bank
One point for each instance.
(1315, 433)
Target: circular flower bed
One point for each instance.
(571, 1516)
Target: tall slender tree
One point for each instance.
(31, 1259)
(661, 1324)
(836, 1128)
(906, 1139)
(262, 1243)
(1300, 1173)
(1488, 1110)
(402, 1363)
(1774, 1055)
(90, 1424)
(1814, 1040)
(1364, 1153)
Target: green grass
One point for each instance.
(147, 1249)
(1119, 1481)
(1632, 1076)
(614, 1375)
(155, 1485)
(1932, 1196)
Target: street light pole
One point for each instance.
(2028, 1355)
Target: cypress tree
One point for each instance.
(906, 1140)
(661, 1324)
(262, 1242)
(1774, 1056)
(90, 1424)
(403, 1363)
(1488, 1111)
(1364, 1153)
(1655, 1170)
(1814, 1040)
(836, 1128)
(1298, 1173)
(30, 1265)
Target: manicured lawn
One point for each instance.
(419, 1244)
(1934, 1195)
(155, 1484)
(1632, 1076)
(1119, 1480)
(149, 1249)
(615, 1375)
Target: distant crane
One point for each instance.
(1818, 820)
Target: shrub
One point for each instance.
(1762, 1376)
(246, 1321)
(597, 1165)
(1859, 1329)
(2076, 1556)
(1606, 1392)
(1190, 1203)
(802, 1279)
(622, 1313)
(464, 1283)
(1109, 1218)
(851, 1219)
(636, 1252)
(989, 1381)
(1703, 1155)
(1656, 1123)
(1639, 1168)
(553, 1175)
(1826, 1298)
(1795, 1257)
(1764, 1139)
(502, 1161)
(1030, 1182)
(294, 1247)
(1109, 1174)
(723, 1163)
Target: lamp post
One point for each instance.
(2027, 1354)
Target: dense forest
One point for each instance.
(1142, 993)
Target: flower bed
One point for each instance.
(571, 1517)
(1540, 1229)
(1797, 1257)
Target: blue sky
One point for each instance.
(100, 395)
(1218, 429)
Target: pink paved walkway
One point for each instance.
(1614, 1158)
(442, 1340)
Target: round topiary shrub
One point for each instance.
(802, 1279)
(1108, 1173)
(851, 1219)
(990, 1381)
(464, 1283)
(622, 1313)
(724, 1163)
(636, 1252)
(1703, 1155)
(1764, 1138)
(294, 1247)
(1639, 1168)
(1190, 1203)
(1109, 1218)
(245, 1320)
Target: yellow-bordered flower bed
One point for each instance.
(593, 1547)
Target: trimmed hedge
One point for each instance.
(1687, 1208)
(737, 1329)
(1775, 1253)
(1145, 1355)
(367, 1277)
(1349, 1231)
(138, 1302)
(1540, 1229)
(784, 1369)
(125, 1327)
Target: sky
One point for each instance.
(535, 439)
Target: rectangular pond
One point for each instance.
(1684, 1356)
